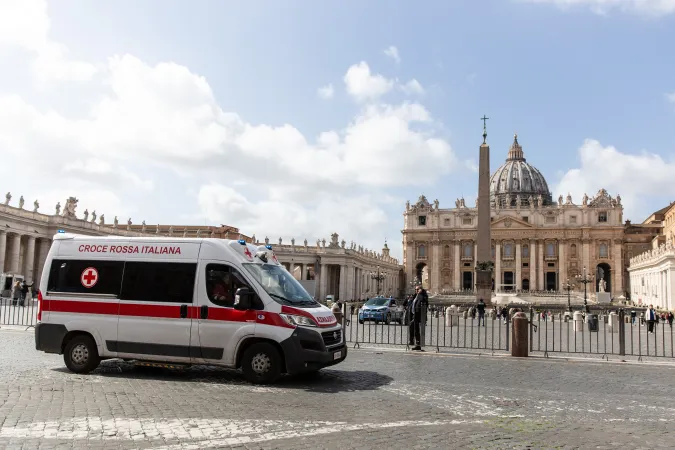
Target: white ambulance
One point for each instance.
(181, 301)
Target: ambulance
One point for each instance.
(181, 302)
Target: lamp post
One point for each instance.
(568, 286)
(378, 277)
(585, 279)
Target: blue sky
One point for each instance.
(586, 89)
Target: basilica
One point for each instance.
(539, 243)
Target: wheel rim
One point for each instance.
(261, 363)
(79, 354)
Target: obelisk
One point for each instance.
(484, 255)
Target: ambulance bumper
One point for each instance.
(305, 351)
(49, 337)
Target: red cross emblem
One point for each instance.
(274, 257)
(247, 252)
(89, 277)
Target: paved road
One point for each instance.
(372, 400)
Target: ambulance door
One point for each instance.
(220, 326)
(155, 314)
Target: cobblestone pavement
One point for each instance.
(375, 399)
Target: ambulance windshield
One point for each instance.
(280, 284)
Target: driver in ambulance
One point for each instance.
(219, 286)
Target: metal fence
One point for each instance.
(442, 331)
(615, 333)
(12, 313)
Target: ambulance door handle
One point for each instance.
(204, 312)
(183, 311)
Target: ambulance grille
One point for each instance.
(331, 338)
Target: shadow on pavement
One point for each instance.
(324, 381)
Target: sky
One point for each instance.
(299, 119)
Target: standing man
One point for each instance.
(650, 318)
(418, 312)
(481, 311)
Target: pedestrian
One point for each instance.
(24, 293)
(418, 313)
(633, 315)
(481, 311)
(16, 292)
(650, 318)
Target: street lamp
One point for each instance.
(378, 277)
(568, 286)
(585, 279)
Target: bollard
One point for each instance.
(519, 347)
(613, 322)
(451, 316)
(578, 318)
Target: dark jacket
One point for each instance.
(419, 306)
(481, 308)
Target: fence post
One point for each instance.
(622, 332)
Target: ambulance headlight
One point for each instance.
(298, 321)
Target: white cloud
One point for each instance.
(363, 85)
(155, 142)
(671, 97)
(636, 177)
(392, 52)
(326, 92)
(413, 87)
(25, 24)
(645, 7)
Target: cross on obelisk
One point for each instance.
(484, 119)
(484, 255)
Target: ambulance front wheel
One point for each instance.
(261, 363)
(81, 354)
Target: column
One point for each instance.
(617, 285)
(541, 262)
(342, 290)
(323, 282)
(29, 259)
(498, 265)
(586, 255)
(43, 250)
(3, 250)
(15, 252)
(562, 264)
(519, 265)
(435, 285)
(456, 282)
(533, 264)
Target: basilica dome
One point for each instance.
(516, 179)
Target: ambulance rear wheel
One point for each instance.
(81, 354)
(261, 363)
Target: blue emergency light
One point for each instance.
(242, 242)
(61, 231)
(268, 247)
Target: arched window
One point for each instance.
(468, 250)
(508, 250)
(446, 252)
(526, 251)
(421, 251)
(550, 249)
(573, 250)
(604, 253)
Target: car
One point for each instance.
(381, 309)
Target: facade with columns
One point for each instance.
(347, 272)
(538, 244)
(652, 271)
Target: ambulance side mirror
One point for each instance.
(243, 299)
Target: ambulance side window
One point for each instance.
(159, 282)
(85, 276)
(222, 282)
